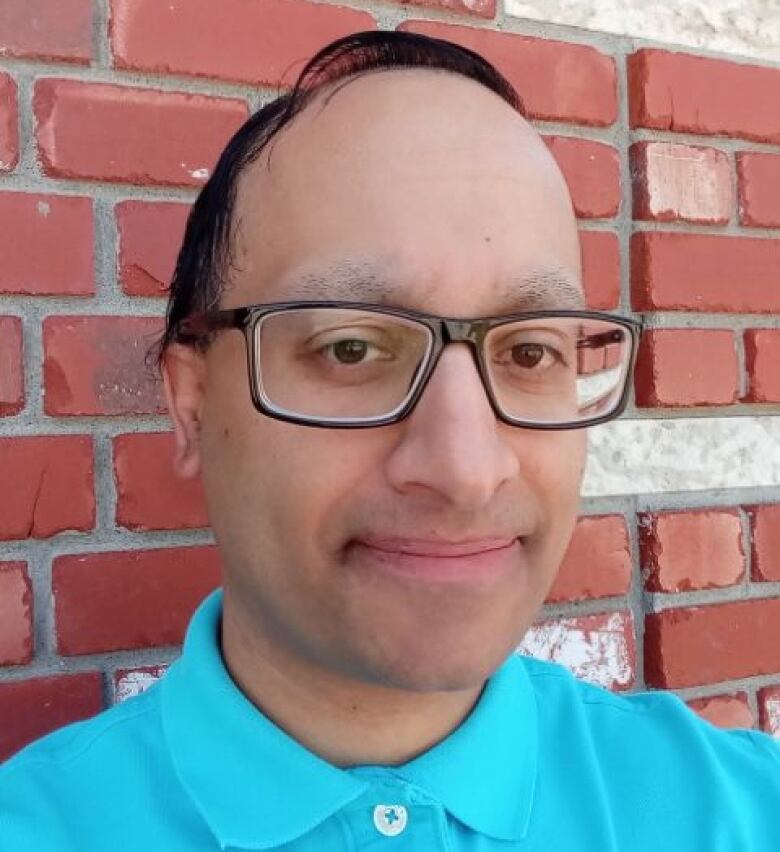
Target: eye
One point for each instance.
(528, 355)
(349, 351)
(531, 355)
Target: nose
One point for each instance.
(452, 445)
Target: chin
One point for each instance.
(447, 671)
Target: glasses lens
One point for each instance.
(558, 369)
(339, 364)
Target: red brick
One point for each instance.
(681, 182)
(682, 551)
(557, 81)
(116, 133)
(597, 648)
(708, 644)
(46, 245)
(97, 365)
(694, 94)
(600, 269)
(480, 8)
(150, 235)
(759, 189)
(9, 124)
(597, 563)
(769, 709)
(11, 366)
(131, 682)
(47, 29)
(150, 496)
(725, 711)
(53, 486)
(703, 272)
(31, 708)
(264, 43)
(762, 360)
(765, 534)
(592, 171)
(686, 367)
(16, 625)
(130, 599)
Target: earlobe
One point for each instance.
(184, 374)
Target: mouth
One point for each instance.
(479, 560)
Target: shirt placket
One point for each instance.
(396, 817)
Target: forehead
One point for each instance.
(410, 186)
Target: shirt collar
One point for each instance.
(257, 787)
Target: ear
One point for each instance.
(184, 377)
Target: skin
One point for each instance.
(439, 196)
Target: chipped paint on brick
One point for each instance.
(131, 682)
(595, 648)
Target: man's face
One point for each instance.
(345, 549)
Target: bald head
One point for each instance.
(427, 180)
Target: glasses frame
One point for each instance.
(443, 330)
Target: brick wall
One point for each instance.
(112, 112)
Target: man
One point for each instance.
(392, 485)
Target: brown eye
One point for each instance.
(350, 351)
(527, 355)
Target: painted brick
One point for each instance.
(769, 710)
(681, 182)
(150, 235)
(131, 682)
(725, 711)
(46, 245)
(52, 489)
(592, 172)
(600, 269)
(762, 361)
(686, 367)
(759, 189)
(597, 563)
(264, 43)
(479, 8)
(694, 94)
(129, 599)
(96, 365)
(11, 366)
(557, 81)
(9, 123)
(683, 551)
(765, 534)
(31, 708)
(693, 646)
(703, 272)
(150, 496)
(597, 648)
(47, 29)
(16, 625)
(117, 133)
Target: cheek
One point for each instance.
(553, 466)
(554, 463)
(278, 485)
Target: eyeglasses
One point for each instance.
(356, 365)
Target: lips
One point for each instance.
(476, 560)
(436, 548)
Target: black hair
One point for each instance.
(204, 260)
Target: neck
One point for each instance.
(346, 722)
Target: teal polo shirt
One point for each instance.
(543, 762)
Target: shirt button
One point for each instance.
(390, 819)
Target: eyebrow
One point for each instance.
(536, 288)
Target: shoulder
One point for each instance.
(651, 731)
(57, 785)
